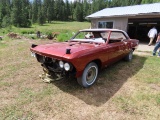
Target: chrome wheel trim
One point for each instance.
(91, 75)
(130, 55)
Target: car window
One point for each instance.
(104, 35)
(117, 36)
(91, 36)
(81, 35)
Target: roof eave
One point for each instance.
(127, 15)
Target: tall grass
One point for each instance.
(64, 28)
(65, 36)
(56, 26)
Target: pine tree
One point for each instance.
(86, 10)
(5, 14)
(93, 8)
(59, 9)
(116, 3)
(20, 14)
(147, 1)
(156, 1)
(137, 2)
(108, 3)
(25, 13)
(35, 8)
(48, 9)
(41, 17)
(78, 13)
(67, 11)
(6, 21)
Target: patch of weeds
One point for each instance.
(144, 51)
(149, 72)
(158, 99)
(12, 69)
(144, 96)
(14, 112)
(5, 84)
(49, 35)
(6, 39)
(27, 32)
(31, 36)
(124, 103)
(152, 60)
(9, 112)
(131, 105)
(26, 96)
(3, 45)
(24, 32)
(64, 36)
(20, 48)
(8, 73)
(45, 92)
(138, 102)
(152, 80)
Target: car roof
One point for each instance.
(99, 30)
(104, 30)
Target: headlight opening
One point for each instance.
(61, 64)
(67, 66)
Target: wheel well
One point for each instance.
(98, 62)
(133, 49)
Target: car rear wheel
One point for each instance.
(89, 75)
(129, 56)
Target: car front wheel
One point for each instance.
(89, 75)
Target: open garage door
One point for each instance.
(138, 28)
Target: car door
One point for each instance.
(116, 46)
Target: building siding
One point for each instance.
(118, 23)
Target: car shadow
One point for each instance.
(109, 81)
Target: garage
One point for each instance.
(136, 20)
(138, 27)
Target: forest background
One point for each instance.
(24, 13)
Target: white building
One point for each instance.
(136, 20)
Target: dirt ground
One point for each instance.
(144, 47)
(118, 94)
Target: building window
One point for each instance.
(104, 24)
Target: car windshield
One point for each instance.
(91, 36)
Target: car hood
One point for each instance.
(59, 49)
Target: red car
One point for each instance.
(85, 54)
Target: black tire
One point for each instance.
(129, 56)
(89, 75)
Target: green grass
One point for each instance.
(65, 36)
(125, 86)
(3, 45)
(149, 72)
(56, 26)
(64, 28)
(124, 90)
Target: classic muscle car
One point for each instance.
(85, 54)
